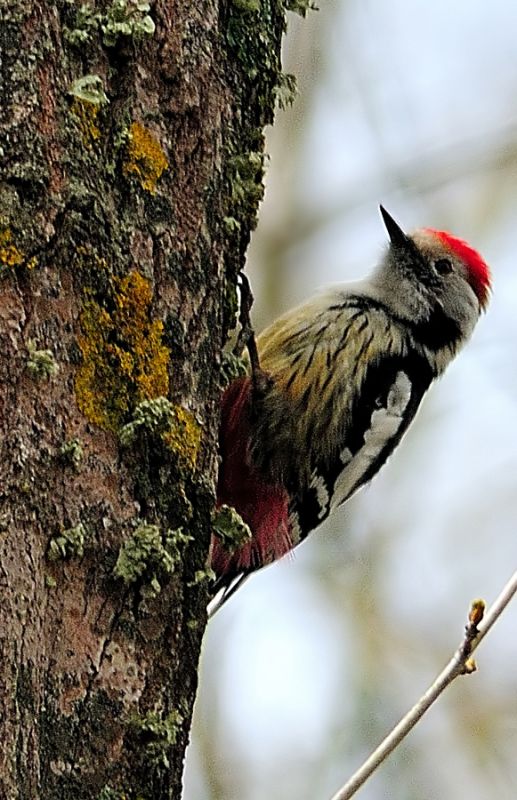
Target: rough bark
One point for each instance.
(131, 174)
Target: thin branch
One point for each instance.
(461, 663)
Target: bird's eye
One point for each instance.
(443, 266)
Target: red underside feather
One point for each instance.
(263, 506)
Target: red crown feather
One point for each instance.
(479, 271)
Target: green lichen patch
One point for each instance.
(300, 7)
(90, 89)
(41, 363)
(71, 452)
(247, 180)
(123, 358)
(84, 22)
(107, 793)
(157, 735)
(250, 36)
(126, 18)
(203, 576)
(145, 158)
(151, 416)
(232, 367)
(174, 425)
(149, 556)
(229, 526)
(122, 19)
(69, 543)
(285, 90)
(246, 5)
(231, 224)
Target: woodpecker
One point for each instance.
(341, 378)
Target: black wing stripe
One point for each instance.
(313, 505)
(223, 590)
(388, 401)
(378, 440)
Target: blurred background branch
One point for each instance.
(461, 663)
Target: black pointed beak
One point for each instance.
(395, 232)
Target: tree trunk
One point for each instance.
(131, 144)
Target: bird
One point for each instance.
(340, 379)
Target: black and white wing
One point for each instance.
(389, 398)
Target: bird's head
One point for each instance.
(433, 276)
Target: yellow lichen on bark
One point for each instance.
(184, 437)
(123, 358)
(86, 114)
(145, 157)
(10, 255)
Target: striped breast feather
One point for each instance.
(389, 399)
(315, 358)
